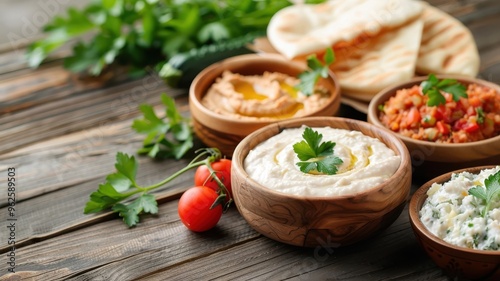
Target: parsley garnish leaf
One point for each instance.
(328, 165)
(121, 185)
(489, 193)
(105, 197)
(456, 90)
(126, 166)
(317, 69)
(432, 87)
(169, 137)
(316, 155)
(146, 203)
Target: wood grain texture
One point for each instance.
(57, 242)
(395, 248)
(307, 221)
(124, 254)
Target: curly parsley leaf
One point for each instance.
(316, 155)
(432, 87)
(317, 69)
(489, 193)
(168, 137)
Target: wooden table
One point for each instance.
(58, 137)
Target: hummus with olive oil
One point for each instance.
(270, 96)
(367, 162)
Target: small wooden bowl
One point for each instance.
(314, 221)
(216, 130)
(478, 152)
(458, 262)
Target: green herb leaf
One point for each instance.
(126, 166)
(153, 30)
(146, 203)
(121, 185)
(489, 193)
(317, 69)
(168, 137)
(432, 87)
(316, 156)
(105, 197)
(480, 115)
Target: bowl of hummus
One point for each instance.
(232, 98)
(458, 228)
(278, 194)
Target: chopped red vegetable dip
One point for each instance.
(468, 119)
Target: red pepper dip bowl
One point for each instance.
(461, 133)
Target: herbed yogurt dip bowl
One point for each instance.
(335, 216)
(451, 227)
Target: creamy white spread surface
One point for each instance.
(453, 215)
(367, 162)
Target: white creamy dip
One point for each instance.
(453, 215)
(367, 162)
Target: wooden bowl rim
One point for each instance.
(417, 200)
(195, 99)
(386, 93)
(238, 158)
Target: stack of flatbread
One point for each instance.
(377, 42)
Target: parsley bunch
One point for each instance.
(432, 87)
(141, 33)
(309, 78)
(122, 185)
(316, 155)
(490, 193)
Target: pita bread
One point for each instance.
(379, 62)
(302, 29)
(447, 46)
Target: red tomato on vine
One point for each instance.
(194, 208)
(222, 169)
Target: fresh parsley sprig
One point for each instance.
(167, 137)
(122, 185)
(432, 87)
(317, 69)
(316, 155)
(490, 193)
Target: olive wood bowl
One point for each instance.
(458, 262)
(469, 154)
(216, 130)
(315, 221)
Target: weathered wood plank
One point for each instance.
(394, 254)
(69, 160)
(124, 254)
(61, 210)
(79, 111)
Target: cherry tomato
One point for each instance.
(194, 208)
(222, 169)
